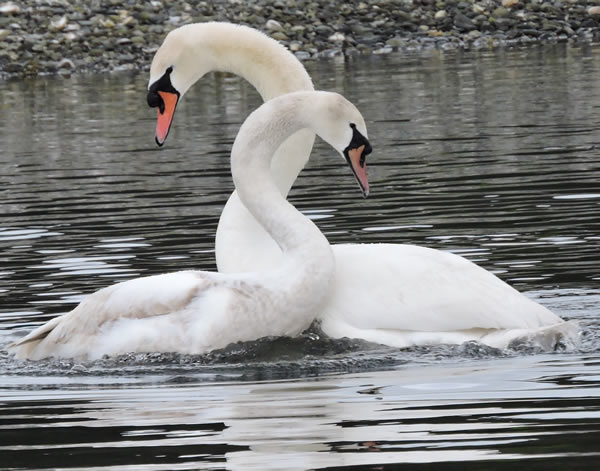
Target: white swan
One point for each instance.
(196, 311)
(400, 295)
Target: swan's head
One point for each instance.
(340, 124)
(175, 68)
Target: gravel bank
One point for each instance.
(60, 36)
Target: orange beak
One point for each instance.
(164, 119)
(359, 168)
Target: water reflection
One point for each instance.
(454, 414)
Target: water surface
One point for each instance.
(492, 156)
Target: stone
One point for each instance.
(59, 24)
(10, 9)
(94, 34)
(383, 50)
(13, 67)
(463, 23)
(65, 64)
(273, 25)
(302, 55)
(478, 9)
(324, 30)
(280, 36)
(396, 42)
(500, 12)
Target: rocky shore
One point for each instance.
(66, 36)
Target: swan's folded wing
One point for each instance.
(37, 334)
(412, 288)
(134, 299)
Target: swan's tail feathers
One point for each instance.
(562, 336)
(23, 347)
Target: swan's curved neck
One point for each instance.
(259, 59)
(260, 136)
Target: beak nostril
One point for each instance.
(155, 101)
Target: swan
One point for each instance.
(393, 294)
(197, 311)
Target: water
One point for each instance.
(492, 156)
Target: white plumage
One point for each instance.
(196, 311)
(395, 294)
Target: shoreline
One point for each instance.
(80, 36)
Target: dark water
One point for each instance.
(493, 156)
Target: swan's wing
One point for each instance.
(139, 298)
(37, 334)
(412, 288)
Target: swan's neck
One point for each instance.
(267, 65)
(258, 139)
(254, 56)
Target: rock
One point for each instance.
(396, 42)
(98, 35)
(324, 30)
(302, 55)
(59, 24)
(280, 36)
(107, 23)
(9, 9)
(273, 25)
(65, 64)
(463, 23)
(383, 50)
(478, 9)
(13, 67)
(500, 12)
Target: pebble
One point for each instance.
(280, 36)
(65, 64)
(463, 23)
(273, 25)
(59, 24)
(337, 37)
(36, 36)
(9, 9)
